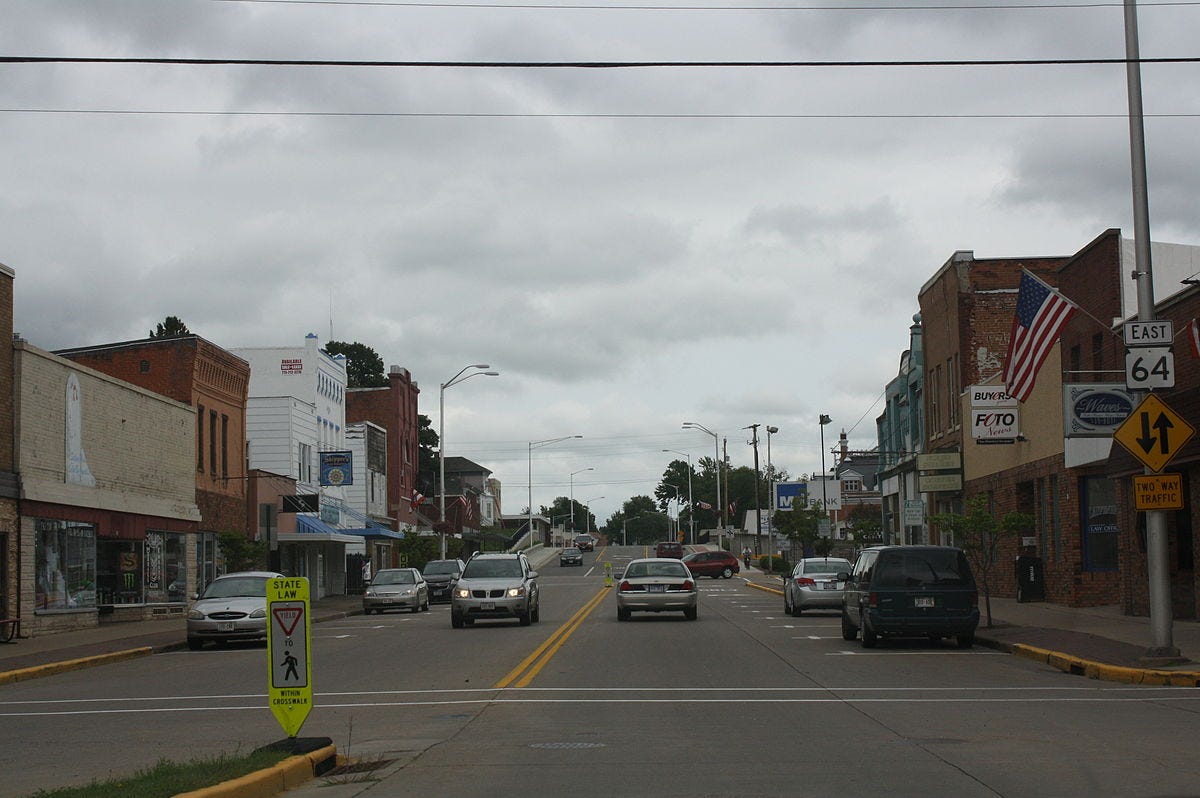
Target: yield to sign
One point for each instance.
(1154, 433)
(287, 618)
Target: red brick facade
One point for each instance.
(395, 409)
(9, 522)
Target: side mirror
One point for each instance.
(843, 576)
(195, 597)
(533, 574)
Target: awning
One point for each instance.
(374, 532)
(310, 529)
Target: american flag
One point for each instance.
(1194, 337)
(1041, 314)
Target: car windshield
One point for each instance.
(492, 569)
(690, 557)
(442, 567)
(637, 569)
(570, 551)
(826, 566)
(394, 578)
(236, 587)
(923, 568)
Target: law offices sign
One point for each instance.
(995, 416)
(1095, 410)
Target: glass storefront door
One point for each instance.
(119, 571)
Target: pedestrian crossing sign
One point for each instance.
(289, 665)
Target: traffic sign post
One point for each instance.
(1154, 433)
(289, 663)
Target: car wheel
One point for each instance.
(797, 610)
(536, 615)
(425, 606)
(525, 618)
(195, 644)
(849, 630)
(622, 614)
(965, 641)
(690, 613)
(869, 638)
(727, 573)
(456, 620)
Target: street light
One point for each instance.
(572, 496)
(537, 445)
(455, 380)
(691, 503)
(587, 514)
(717, 462)
(771, 512)
(824, 497)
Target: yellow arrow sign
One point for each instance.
(290, 665)
(1154, 433)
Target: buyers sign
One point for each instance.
(994, 414)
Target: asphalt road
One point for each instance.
(744, 701)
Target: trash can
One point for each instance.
(1031, 581)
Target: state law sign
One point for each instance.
(289, 665)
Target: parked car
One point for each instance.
(440, 576)
(232, 608)
(669, 548)
(396, 589)
(814, 584)
(585, 542)
(657, 584)
(571, 556)
(717, 564)
(496, 586)
(911, 591)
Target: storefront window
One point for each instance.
(1099, 524)
(119, 571)
(65, 558)
(166, 577)
(206, 559)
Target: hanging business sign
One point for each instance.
(337, 469)
(1095, 410)
(914, 512)
(995, 415)
(289, 668)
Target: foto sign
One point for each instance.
(1148, 333)
(289, 665)
(994, 414)
(1158, 492)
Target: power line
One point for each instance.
(589, 7)
(306, 62)
(601, 115)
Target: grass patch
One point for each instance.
(168, 778)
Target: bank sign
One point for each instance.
(1095, 410)
(995, 416)
(787, 493)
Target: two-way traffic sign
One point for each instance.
(1154, 433)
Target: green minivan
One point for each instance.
(910, 591)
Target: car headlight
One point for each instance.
(259, 613)
(462, 592)
(195, 615)
(369, 592)
(513, 592)
(412, 591)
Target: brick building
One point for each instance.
(196, 372)
(394, 408)
(9, 488)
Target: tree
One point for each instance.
(170, 327)
(803, 524)
(241, 553)
(560, 511)
(865, 525)
(646, 523)
(364, 366)
(427, 456)
(979, 534)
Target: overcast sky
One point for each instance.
(631, 248)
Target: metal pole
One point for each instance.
(757, 510)
(771, 511)
(442, 468)
(822, 421)
(1157, 557)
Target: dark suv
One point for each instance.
(910, 591)
(441, 576)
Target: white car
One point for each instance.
(657, 584)
(232, 608)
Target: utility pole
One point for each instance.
(757, 512)
(724, 466)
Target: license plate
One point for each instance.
(225, 627)
(658, 588)
(830, 586)
(487, 605)
(923, 601)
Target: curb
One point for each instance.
(287, 775)
(764, 588)
(1098, 670)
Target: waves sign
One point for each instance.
(994, 414)
(1095, 410)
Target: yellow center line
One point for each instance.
(561, 632)
(550, 652)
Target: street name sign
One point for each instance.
(1158, 492)
(289, 665)
(1154, 433)
(1148, 333)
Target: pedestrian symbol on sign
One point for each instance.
(290, 662)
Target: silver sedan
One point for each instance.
(657, 584)
(396, 589)
(813, 584)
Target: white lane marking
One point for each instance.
(589, 571)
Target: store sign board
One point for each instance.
(1095, 410)
(914, 512)
(939, 461)
(929, 483)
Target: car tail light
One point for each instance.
(872, 599)
(625, 586)
(804, 580)
(688, 584)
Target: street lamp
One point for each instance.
(691, 503)
(771, 512)
(587, 513)
(455, 380)
(537, 445)
(572, 496)
(824, 496)
(717, 462)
